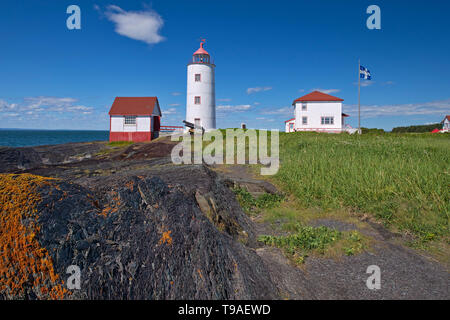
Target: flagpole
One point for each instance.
(359, 96)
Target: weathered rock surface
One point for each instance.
(16, 159)
(146, 229)
(139, 238)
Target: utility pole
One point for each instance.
(359, 97)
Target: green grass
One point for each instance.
(306, 240)
(112, 147)
(119, 143)
(252, 205)
(401, 179)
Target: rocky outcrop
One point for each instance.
(137, 236)
(16, 159)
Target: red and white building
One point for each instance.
(134, 119)
(318, 111)
(446, 124)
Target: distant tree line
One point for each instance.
(421, 128)
(372, 130)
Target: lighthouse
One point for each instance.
(201, 96)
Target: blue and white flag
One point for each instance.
(364, 73)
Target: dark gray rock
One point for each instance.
(153, 243)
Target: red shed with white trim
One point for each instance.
(134, 119)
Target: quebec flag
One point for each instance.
(364, 73)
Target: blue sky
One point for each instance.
(267, 53)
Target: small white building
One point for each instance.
(290, 125)
(318, 111)
(446, 124)
(201, 97)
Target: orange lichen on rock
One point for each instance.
(114, 206)
(166, 238)
(24, 265)
(130, 185)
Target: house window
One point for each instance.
(197, 100)
(198, 77)
(304, 120)
(130, 120)
(303, 106)
(327, 120)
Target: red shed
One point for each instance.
(134, 119)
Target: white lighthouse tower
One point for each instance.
(201, 96)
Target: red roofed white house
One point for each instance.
(317, 111)
(134, 119)
(446, 124)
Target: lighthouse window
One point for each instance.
(130, 119)
(198, 77)
(197, 100)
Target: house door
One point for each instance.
(156, 126)
(197, 123)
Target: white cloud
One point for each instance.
(365, 83)
(6, 106)
(34, 106)
(327, 91)
(142, 25)
(169, 111)
(174, 105)
(224, 100)
(278, 111)
(301, 90)
(256, 103)
(426, 108)
(78, 108)
(236, 108)
(258, 89)
(41, 101)
(176, 93)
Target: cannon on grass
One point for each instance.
(192, 127)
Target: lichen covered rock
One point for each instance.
(133, 237)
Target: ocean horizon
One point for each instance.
(12, 137)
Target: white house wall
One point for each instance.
(143, 124)
(116, 124)
(314, 112)
(287, 124)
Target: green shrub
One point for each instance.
(306, 239)
(249, 203)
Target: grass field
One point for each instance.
(400, 179)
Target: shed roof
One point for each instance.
(136, 106)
